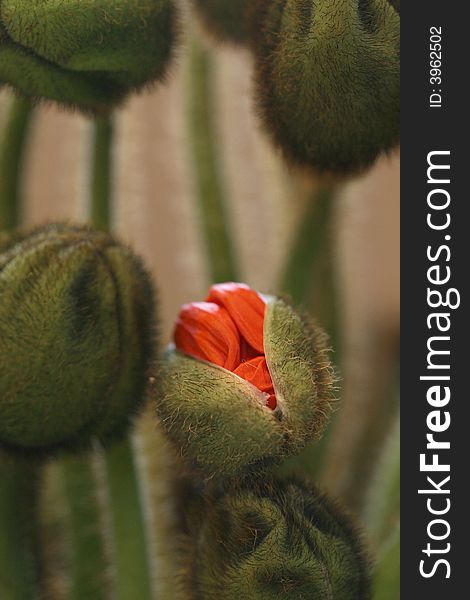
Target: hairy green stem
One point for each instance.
(19, 579)
(87, 538)
(11, 157)
(128, 531)
(209, 189)
(101, 173)
(19, 563)
(132, 568)
(127, 524)
(88, 561)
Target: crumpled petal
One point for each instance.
(205, 330)
(256, 372)
(246, 307)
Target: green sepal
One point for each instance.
(76, 339)
(327, 76)
(217, 420)
(297, 357)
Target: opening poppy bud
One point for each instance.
(225, 19)
(275, 539)
(84, 54)
(76, 339)
(247, 382)
(327, 76)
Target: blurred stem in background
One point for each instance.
(381, 514)
(19, 479)
(128, 541)
(209, 188)
(130, 545)
(386, 576)
(12, 147)
(87, 556)
(101, 177)
(369, 413)
(19, 564)
(309, 279)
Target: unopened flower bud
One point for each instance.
(328, 79)
(275, 539)
(248, 382)
(225, 19)
(84, 54)
(76, 339)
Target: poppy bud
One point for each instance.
(84, 54)
(225, 19)
(248, 382)
(328, 79)
(76, 338)
(275, 539)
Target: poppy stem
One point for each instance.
(12, 148)
(129, 542)
(308, 246)
(209, 188)
(87, 538)
(88, 560)
(19, 572)
(127, 527)
(309, 279)
(101, 172)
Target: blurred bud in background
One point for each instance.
(88, 55)
(275, 539)
(327, 76)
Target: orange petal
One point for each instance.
(256, 372)
(271, 402)
(246, 308)
(205, 330)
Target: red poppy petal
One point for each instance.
(246, 308)
(247, 352)
(256, 372)
(271, 402)
(205, 330)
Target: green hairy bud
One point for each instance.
(328, 79)
(220, 423)
(225, 19)
(275, 539)
(76, 339)
(85, 54)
